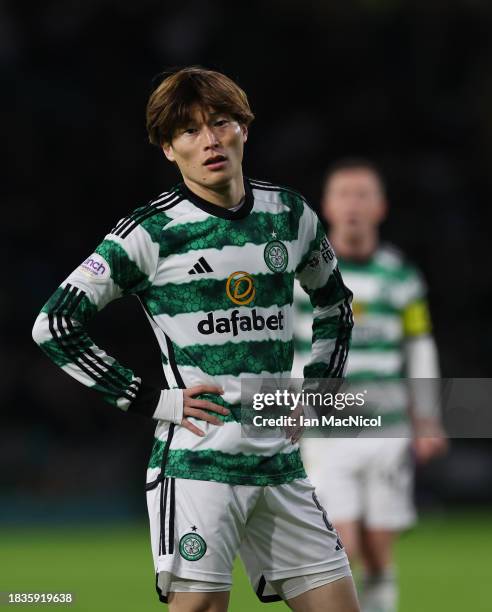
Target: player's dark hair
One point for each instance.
(355, 163)
(170, 104)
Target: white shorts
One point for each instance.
(198, 527)
(287, 588)
(363, 479)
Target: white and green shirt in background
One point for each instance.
(389, 308)
(217, 286)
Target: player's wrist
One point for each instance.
(159, 404)
(170, 406)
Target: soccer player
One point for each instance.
(368, 481)
(212, 261)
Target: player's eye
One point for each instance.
(189, 130)
(221, 122)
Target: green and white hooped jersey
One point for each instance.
(389, 307)
(217, 286)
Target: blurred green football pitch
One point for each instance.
(445, 564)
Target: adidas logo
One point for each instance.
(200, 267)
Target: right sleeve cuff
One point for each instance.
(159, 404)
(170, 406)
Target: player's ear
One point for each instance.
(244, 130)
(167, 149)
(383, 210)
(325, 206)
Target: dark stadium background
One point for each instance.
(405, 83)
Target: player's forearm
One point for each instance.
(421, 357)
(422, 362)
(65, 341)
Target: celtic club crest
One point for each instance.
(276, 256)
(192, 546)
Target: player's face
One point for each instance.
(209, 149)
(353, 201)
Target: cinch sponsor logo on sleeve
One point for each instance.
(96, 267)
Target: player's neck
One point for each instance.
(350, 246)
(227, 195)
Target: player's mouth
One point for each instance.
(216, 162)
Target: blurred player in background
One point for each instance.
(367, 483)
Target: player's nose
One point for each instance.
(210, 137)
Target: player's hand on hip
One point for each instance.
(200, 408)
